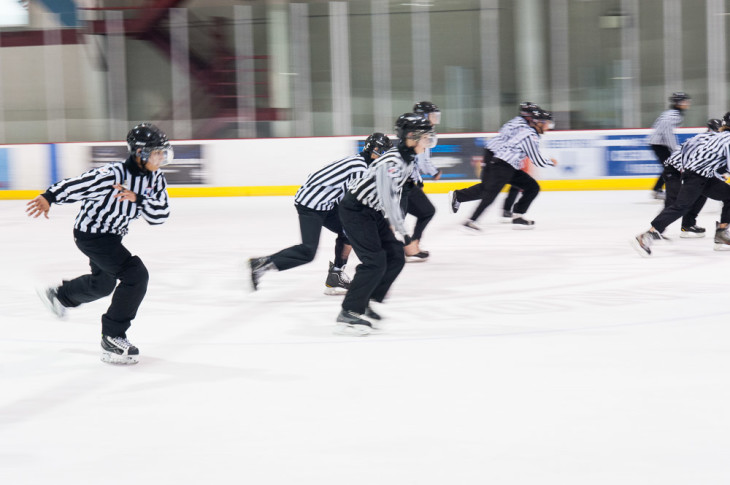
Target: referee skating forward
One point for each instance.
(316, 203)
(369, 209)
(705, 171)
(112, 196)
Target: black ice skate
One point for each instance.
(258, 267)
(118, 350)
(418, 257)
(453, 203)
(519, 222)
(337, 282)
(49, 297)
(507, 216)
(692, 231)
(470, 227)
(351, 323)
(722, 239)
(661, 238)
(371, 314)
(642, 243)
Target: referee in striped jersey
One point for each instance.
(506, 131)
(316, 203)
(414, 200)
(673, 181)
(662, 139)
(369, 209)
(705, 171)
(111, 197)
(505, 168)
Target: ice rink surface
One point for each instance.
(552, 356)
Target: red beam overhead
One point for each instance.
(27, 38)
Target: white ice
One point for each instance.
(552, 356)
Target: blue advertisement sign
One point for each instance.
(631, 155)
(4, 169)
(457, 158)
(186, 169)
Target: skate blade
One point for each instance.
(334, 291)
(116, 359)
(520, 227)
(352, 330)
(691, 235)
(59, 312)
(722, 247)
(415, 259)
(635, 244)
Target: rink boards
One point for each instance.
(587, 160)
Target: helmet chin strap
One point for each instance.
(141, 161)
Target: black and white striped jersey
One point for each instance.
(423, 166)
(524, 142)
(675, 160)
(663, 129)
(707, 154)
(100, 212)
(507, 131)
(326, 187)
(381, 186)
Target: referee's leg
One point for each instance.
(394, 260)
(310, 226)
(361, 227)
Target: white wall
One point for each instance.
(288, 161)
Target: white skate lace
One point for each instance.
(343, 277)
(121, 342)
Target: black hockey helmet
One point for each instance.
(539, 115)
(412, 123)
(377, 143)
(678, 97)
(726, 121)
(714, 124)
(527, 107)
(427, 108)
(414, 126)
(148, 138)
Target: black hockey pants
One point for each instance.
(662, 153)
(673, 182)
(310, 224)
(381, 254)
(109, 261)
(498, 174)
(415, 202)
(693, 187)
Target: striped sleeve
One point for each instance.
(94, 184)
(386, 182)
(424, 164)
(325, 188)
(155, 207)
(675, 160)
(663, 129)
(707, 154)
(724, 168)
(531, 147)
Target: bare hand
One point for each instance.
(38, 206)
(555, 162)
(124, 193)
(438, 175)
